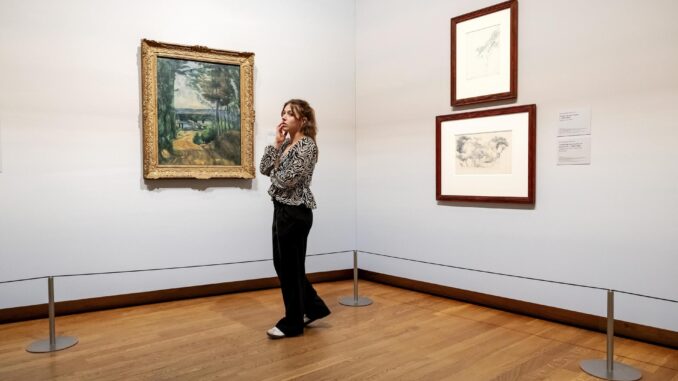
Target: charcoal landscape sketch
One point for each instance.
(483, 153)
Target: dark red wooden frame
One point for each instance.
(531, 154)
(513, 87)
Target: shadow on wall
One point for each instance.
(490, 205)
(200, 185)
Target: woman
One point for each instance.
(290, 163)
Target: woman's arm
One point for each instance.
(268, 160)
(272, 153)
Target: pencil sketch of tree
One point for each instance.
(483, 153)
(483, 52)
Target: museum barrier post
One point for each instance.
(609, 369)
(54, 343)
(355, 300)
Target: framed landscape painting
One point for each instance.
(198, 113)
(485, 55)
(487, 156)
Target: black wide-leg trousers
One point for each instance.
(291, 225)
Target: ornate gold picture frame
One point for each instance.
(198, 112)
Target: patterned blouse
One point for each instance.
(291, 178)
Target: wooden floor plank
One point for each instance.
(404, 335)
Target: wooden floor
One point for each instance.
(404, 335)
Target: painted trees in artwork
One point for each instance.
(219, 87)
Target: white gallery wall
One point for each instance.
(72, 196)
(612, 224)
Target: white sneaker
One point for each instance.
(275, 333)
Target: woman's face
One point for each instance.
(291, 124)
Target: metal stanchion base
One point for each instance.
(352, 302)
(620, 372)
(43, 346)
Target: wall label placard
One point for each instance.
(574, 136)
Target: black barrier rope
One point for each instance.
(516, 276)
(346, 251)
(164, 268)
(23, 280)
(646, 296)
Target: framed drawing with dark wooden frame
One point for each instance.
(198, 113)
(487, 156)
(485, 55)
